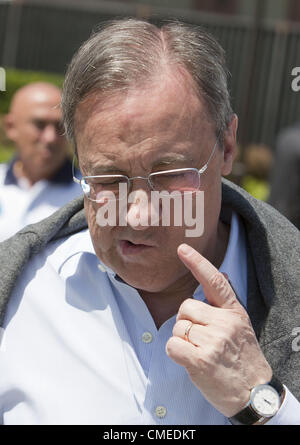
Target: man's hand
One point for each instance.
(222, 356)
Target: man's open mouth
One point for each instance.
(130, 248)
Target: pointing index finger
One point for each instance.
(216, 287)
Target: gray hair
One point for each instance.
(127, 53)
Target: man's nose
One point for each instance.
(49, 134)
(141, 212)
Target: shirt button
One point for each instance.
(160, 411)
(147, 337)
(102, 268)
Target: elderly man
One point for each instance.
(38, 180)
(140, 322)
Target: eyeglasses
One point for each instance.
(119, 186)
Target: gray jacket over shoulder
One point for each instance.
(273, 246)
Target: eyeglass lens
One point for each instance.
(182, 181)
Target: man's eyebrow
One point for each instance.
(103, 170)
(95, 170)
(45, 120)
(170, 159)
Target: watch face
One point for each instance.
(265, 400)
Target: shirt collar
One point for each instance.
(81, 243)
(234, 263)
(10, 178)
(63, 176)
(235, 260)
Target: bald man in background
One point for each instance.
(39, 178)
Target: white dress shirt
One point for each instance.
(80, 346)
(22, 204)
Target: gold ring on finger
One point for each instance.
(187, 331)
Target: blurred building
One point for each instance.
(274, 9)
(261, 39)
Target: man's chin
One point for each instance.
(150, 273)
(143, 281)
(48, 167)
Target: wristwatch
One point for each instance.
(264, 403)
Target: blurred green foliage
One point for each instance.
(6, 146)
(6, 153)
(259, 188)
(15, 79)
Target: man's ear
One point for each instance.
(229, 146)
(10, 127)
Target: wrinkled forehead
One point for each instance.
(161, 106)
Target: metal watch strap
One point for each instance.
(247, 416)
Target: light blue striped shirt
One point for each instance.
(81, 347)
